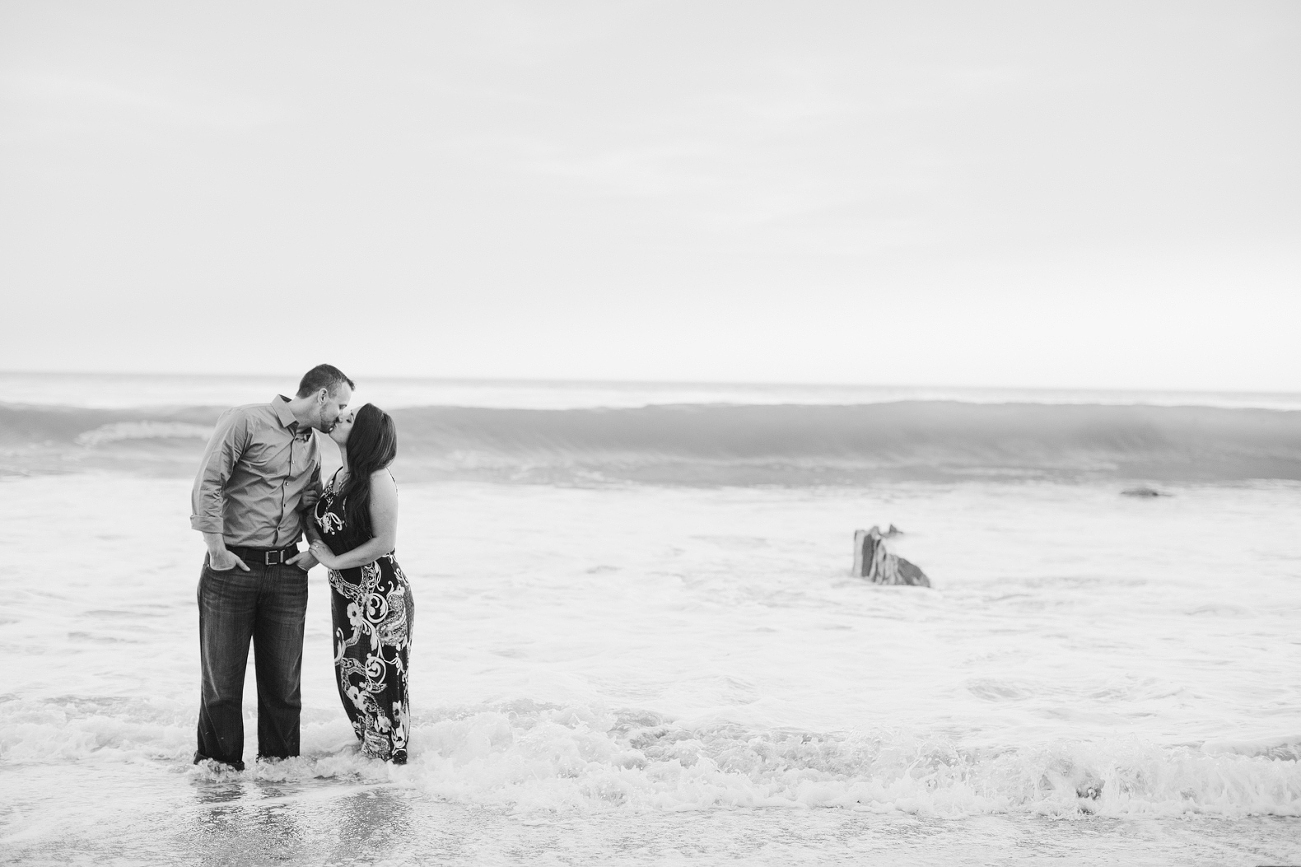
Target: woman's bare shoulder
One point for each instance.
(382, 480)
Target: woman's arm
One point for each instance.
(383, 522)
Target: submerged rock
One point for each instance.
(1143, 491)
(1090, 790)
(873, 562)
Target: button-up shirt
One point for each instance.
(255, 470)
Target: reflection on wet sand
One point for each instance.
(255, 821)
(241, 821)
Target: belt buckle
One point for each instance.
(278, 555)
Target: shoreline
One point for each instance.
(194, 822)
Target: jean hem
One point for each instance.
(199, 758)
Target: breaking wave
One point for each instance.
(142, 430)
(529, 756)
(730, 444)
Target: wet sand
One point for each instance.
(176, 817)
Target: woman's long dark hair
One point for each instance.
(372, 445)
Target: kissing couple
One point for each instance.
(258, 491)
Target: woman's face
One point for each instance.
(343, 427)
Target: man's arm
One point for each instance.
(311, 494)
(305, 560)
(208, 498)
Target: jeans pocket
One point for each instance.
(207, 567)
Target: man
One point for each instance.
(260, 472)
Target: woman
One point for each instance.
(353, 535)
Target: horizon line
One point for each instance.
(702, 383)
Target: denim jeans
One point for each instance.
(267, 604)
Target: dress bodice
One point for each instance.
(330, 520)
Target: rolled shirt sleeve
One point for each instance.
(208, 497)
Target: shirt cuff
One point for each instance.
(205, 524)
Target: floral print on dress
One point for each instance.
(372, 610)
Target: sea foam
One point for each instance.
(526, 756)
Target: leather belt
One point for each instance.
(263, 556)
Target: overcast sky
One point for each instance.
(1001, 194)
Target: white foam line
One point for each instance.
(322, 794)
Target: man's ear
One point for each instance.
(322, 396)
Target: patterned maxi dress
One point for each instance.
(373, 613)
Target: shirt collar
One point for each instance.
(280, 404)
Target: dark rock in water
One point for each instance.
(1143, 491)
(1090, 790)
(873, 562)
(892, 532)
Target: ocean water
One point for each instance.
(639, 641)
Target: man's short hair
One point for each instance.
(325, 376)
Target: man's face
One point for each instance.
(331, 406)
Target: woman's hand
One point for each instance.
(324, 555)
